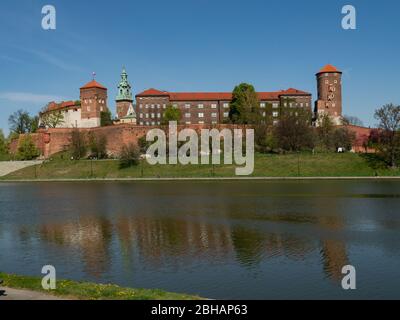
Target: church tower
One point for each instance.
(329, 80)
(124, 99)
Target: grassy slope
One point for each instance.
(91, 291)
(319, 165)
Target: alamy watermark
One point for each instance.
(204, 149)
(49, 280)
(49, 20)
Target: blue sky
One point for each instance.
(197, 45)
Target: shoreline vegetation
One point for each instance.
(89, 291)
(267, 166)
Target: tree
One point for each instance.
(3, 143)
(105, 118)
(294, 132)
(350, 120)
(171, 114)
(343, 138)
(52, 119)
(129, 156)
(389, 123)
(27, 149)
(326, 129)
(78, 145)
(245, 105)
(144, 144)
(97, 145)
(20, 122)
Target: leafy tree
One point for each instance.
(97, 145)
(129, 156)
(52, 119)
(171, 114)
(105, 118)
(293, 131)
(389, 123)
(3, 143)
(245, 105)
(351, 120)
(78, 146)
(27, 149)
(343, 138)
(20, 122)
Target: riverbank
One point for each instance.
(87, 291)
(291, 166)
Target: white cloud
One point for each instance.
(29, 97)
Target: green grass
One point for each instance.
(266, 165)
(90, 291)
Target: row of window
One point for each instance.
(275, 114)
(296, 104)
(86, 101)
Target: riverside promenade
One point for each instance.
(7, 167)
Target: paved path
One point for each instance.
(13, 294)
(6, 167)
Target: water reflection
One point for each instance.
(126, 232)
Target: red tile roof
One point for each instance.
(216, 96)
(52, 106)
(329, 68)
(153, 92)
(93, 84)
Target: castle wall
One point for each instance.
(55, 140)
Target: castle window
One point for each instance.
(264, 114)
(226, 105)
(214, 115)
(275, 105)
(188, 122)
(275, 114)
(214, 106)
(226, 114)
(141, 116)
(201, 122)
(201, 115)
(187, 115)
(262, 105)
(158, 115)
(200, 106)
(187, 105)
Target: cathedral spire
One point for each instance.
(124, 88)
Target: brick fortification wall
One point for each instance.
(52, 141)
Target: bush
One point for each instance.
(129, 156)
(27, 149)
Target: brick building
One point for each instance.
(211, 107)
(329, 81)
(84, 113)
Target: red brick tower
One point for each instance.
(93, 102)
(329, 101)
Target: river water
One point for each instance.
(220, 240)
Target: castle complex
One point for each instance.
(197, 108)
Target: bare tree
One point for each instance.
(389, 123)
